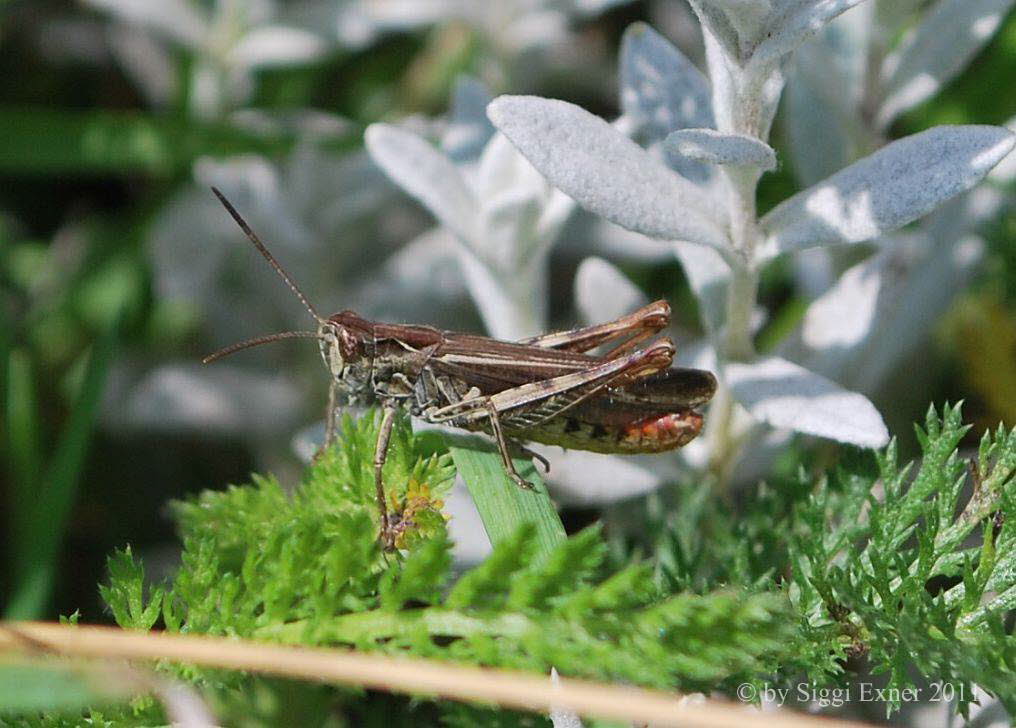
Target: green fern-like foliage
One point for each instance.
(906, 570)
(255, 557)
(306, 568)
(921, 576)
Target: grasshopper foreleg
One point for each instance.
(330, 427)
(380, 455)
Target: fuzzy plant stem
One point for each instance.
(742, 290)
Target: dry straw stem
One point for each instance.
(397, 674)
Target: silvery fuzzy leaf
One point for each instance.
(749, 18)
(605, 171)
(661, 90)
(531, 29)
(512, 307)
(469, 129)
(421, 282)
(585, 479)
(202, 260)
(920, 282)
(277, 45)
(148, 62)
(588, 233)
(709, 145)
(176, 19)
(794, 22)
(503, 169)
(405, 14)
(426, 174)
(765, 30)
(222, 399)
(716, 24)
(742, 92)
(886, 190)
(824, 94)
(1005, 171)
(837, 323)
(708, 275)
(786, 395)
(604, 293)
(820, 137)
(949, 35)
(503, 173)
(509, 240)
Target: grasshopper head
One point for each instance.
(345, 340)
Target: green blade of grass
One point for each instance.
(23, 452)
(504, 506)
(46, 519)
(30, 687)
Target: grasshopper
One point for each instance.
(548, 389)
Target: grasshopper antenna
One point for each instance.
(252, 236)
(258, 341)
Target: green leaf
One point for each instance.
(504, 506)
(27, 688)
(125, 593)
(51, 507)
(24, 454)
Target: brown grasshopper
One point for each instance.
(547, 389)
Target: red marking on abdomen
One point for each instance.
(658, 433)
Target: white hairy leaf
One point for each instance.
(661, 90)
(824, 95)
(786, 395)
(469, 129)
(918, 291)
(426, 174)
(277, 45)
(176, 19)
(512, 307)
(509, 237)
(604, 293)
(843, 316)
(939, 48)
(794, 22)
(585, 479)
(709, 145)
(708, 275)
(606, 172)
(715, 23)
(886, 190)
(503, 169)
(749, 18)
